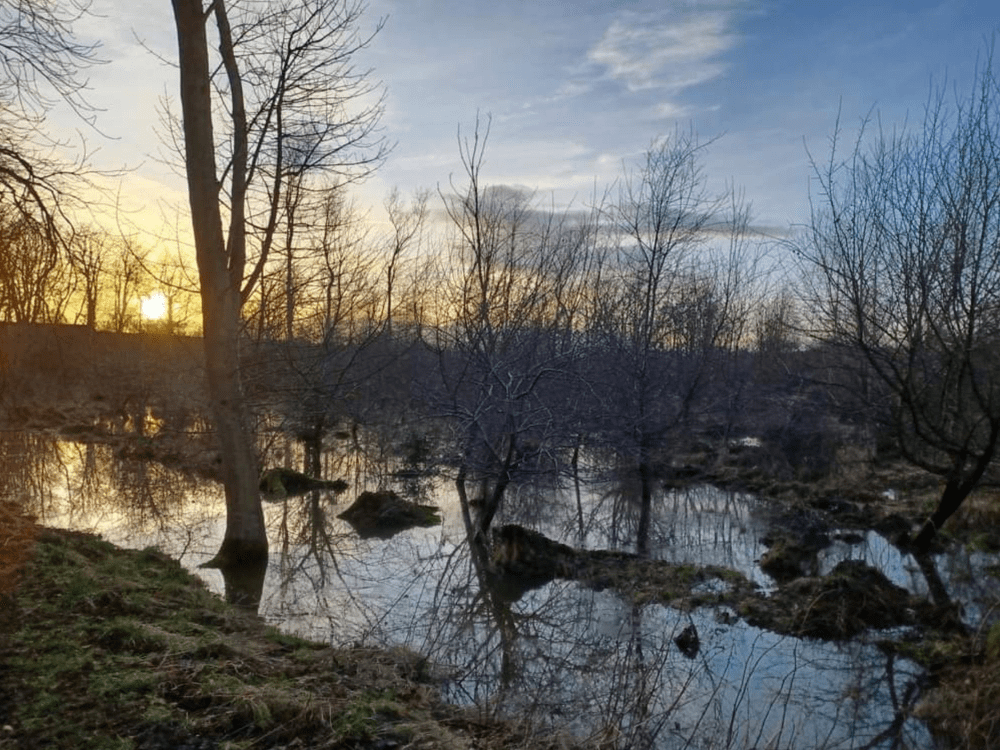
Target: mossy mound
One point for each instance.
(785, 560)
(383, 514)
(281, 483)
(796, 538)
(790, 556)
(853, 598)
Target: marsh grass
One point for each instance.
(110, 648)
(965, 707)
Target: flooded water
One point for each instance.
(585, 661)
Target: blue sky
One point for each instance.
(576, 87)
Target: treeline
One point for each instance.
(87, 276)
(648, 323)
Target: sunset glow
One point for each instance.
(153, 307)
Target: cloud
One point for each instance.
(571, 90)
(671, 50)
(669, 110)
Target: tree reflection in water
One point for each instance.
(91, 487)
(560, 655)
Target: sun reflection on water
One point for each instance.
(582, 659)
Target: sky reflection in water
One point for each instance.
(579, 658)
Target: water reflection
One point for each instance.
(700, 525)
(561, 654)
(956, 579)
(244, 583)
(91, 487)
(603, 667)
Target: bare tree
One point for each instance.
(326, 263)
(903, 247)
(35, 283)
(408, 223)
(126, 260)
(332, 361)
(291, 103)
(776, 327)
(506, 339)
(40, 64)
(660, 309)
(173, 279)
(87, 255)
(346, 275)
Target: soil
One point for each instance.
(108, 648)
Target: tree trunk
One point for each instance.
(491, 502)
(959, 486)
(646, 499)
(246, 539)
(951, 499)
(91, 308)
(477, 542)
(576, 486)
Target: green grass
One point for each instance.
(109, 643)
(363, 716)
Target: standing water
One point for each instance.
(592, 662)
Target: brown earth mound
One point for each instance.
(383, 514)
(854, 597)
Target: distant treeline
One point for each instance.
(87, 364)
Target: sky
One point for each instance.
(577, 89)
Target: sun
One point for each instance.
(153, 307)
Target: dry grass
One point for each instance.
(17, 537)
(112, 648)
(965, 707)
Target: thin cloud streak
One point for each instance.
(673, 51)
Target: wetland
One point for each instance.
(764, 611)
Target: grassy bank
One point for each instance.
(108, 648)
